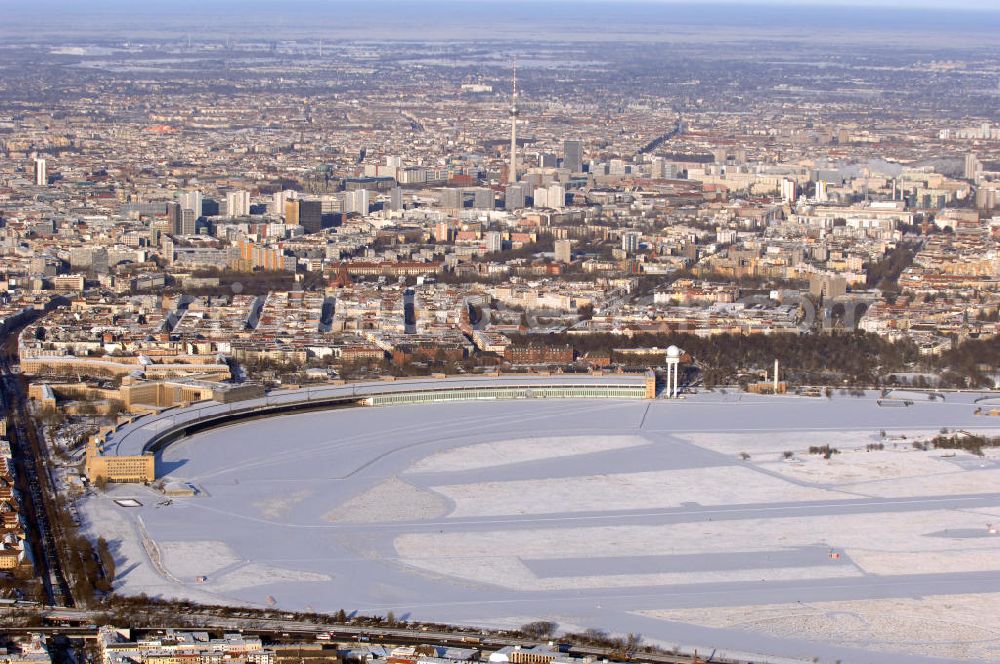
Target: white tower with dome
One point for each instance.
(673, 371)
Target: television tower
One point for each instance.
(512, 173)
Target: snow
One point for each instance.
(391, 500)
(970, 481)
(511, 574)
(196, 558)
(275, 507)
(633, 491)
(592, 513)
(506, 452)
(254, 575)
(852, 466)
(953, 627)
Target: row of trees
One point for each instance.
(853, 358)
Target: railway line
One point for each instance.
(80, 624)
(30, 461)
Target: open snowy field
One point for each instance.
(684, 520)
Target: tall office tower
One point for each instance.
(547, 160)
(494, 241)
(396, 199)
(972, 167)
(238, 203)
(279, 198)
(630, 242)
(573, 156)
(292, 212)
(192, 200)
(512, 173)
(311, 216)
(357, 201)
(167, 250)
(442, 232)
(789, 190)
(392, 167)
(557, 196)
(409, 311)
(658, 168)
(41, 173)
(452, 198)
(540, 198)
(822, 195)
(174, 217)
(483, 198)
(186, 226)
(514, 197)
(564, 251)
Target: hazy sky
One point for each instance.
(913, 22)
(943, 5)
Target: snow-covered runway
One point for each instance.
(681, 520)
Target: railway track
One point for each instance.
(31, 458)
(279, 629)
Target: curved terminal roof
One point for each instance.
(137, 437)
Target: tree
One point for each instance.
(539, 629)
(107, 562)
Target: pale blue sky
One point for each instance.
(902, 4)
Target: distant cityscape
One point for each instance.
(245, 220)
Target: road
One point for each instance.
(30, 459)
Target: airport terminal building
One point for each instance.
(126, 453)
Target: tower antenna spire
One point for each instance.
(512, 172)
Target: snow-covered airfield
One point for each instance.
(681, 520)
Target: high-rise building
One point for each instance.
(789, 190)
(557, 196)
(186, 225)
(512, 172)
(564, 251)
(174, 217)
(452, 198)
(483, 198)
(630, 242)
(540, 198)
(292, 212)
(494, 241)
(238, 203)
(514, 196)
(180, 220)
(822, 194)
(192, 200)
(972, 167)
(357, 201)
(442, 232)
(278, 200)
(396, 199)
(41, 173)
(573, 156)
(311, 216)
(547, 160)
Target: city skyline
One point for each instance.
(499, 332)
